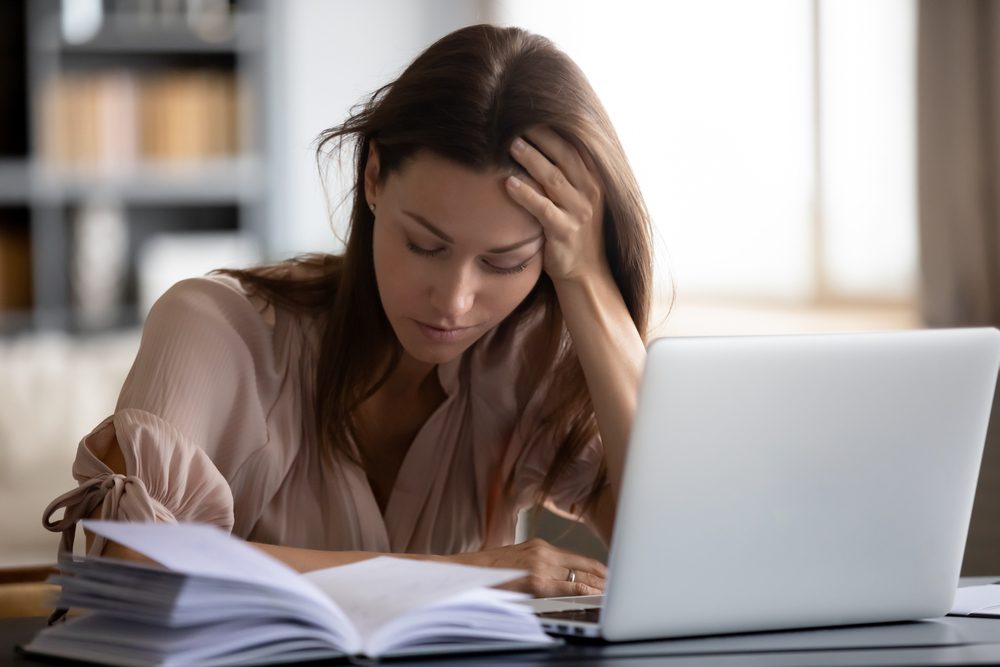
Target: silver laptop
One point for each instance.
(780, 482)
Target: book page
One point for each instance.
(374, 591)
(203, 550)
(977, 600)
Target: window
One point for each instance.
(774, 140)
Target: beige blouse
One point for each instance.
(215, 423)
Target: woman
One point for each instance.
(476, 349)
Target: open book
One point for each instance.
(977, 601)
(220, 601)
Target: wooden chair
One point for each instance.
(24, 592)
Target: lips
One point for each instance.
(442, 334)
(442, 327)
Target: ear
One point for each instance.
(371, 174)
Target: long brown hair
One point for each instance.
(466, 98)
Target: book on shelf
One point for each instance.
(110, 120)
(15, 267)
(218, 601)
(187, 115)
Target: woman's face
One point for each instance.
(454, 254)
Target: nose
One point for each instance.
(453, 293)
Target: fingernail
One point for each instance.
(513, 181)
(518, 145)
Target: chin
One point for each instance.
(431, 356)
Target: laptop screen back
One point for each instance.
(793, 481)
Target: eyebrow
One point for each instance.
(424, 222)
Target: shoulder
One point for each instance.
(213, 299)
(204, 293)
(207, 316)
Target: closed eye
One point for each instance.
(502, 270)
(511, 269)
(506, 269)
(423, 251)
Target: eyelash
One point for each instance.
(495, 269)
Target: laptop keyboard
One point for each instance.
(592, 615)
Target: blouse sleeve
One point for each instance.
(189, 415)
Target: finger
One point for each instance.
(582, 564)
(544, 587)
(553, 568)
(575, 162)
(578, 588)
(554, 182)
(592, 576)
(561, 153)
(562, 588)
(574, 568)
(566, 560)
(588, 160)
(537, 204)
(588, 580)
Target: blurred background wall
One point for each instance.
(810, 165)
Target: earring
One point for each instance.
(371, 206)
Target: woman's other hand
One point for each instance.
(565, 197)
(552, 572)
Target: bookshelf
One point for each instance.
(133, 120)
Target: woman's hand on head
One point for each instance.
(552, 572)
(566, 199)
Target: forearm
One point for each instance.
(612, 354)
(306, 560)
(300, 560)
